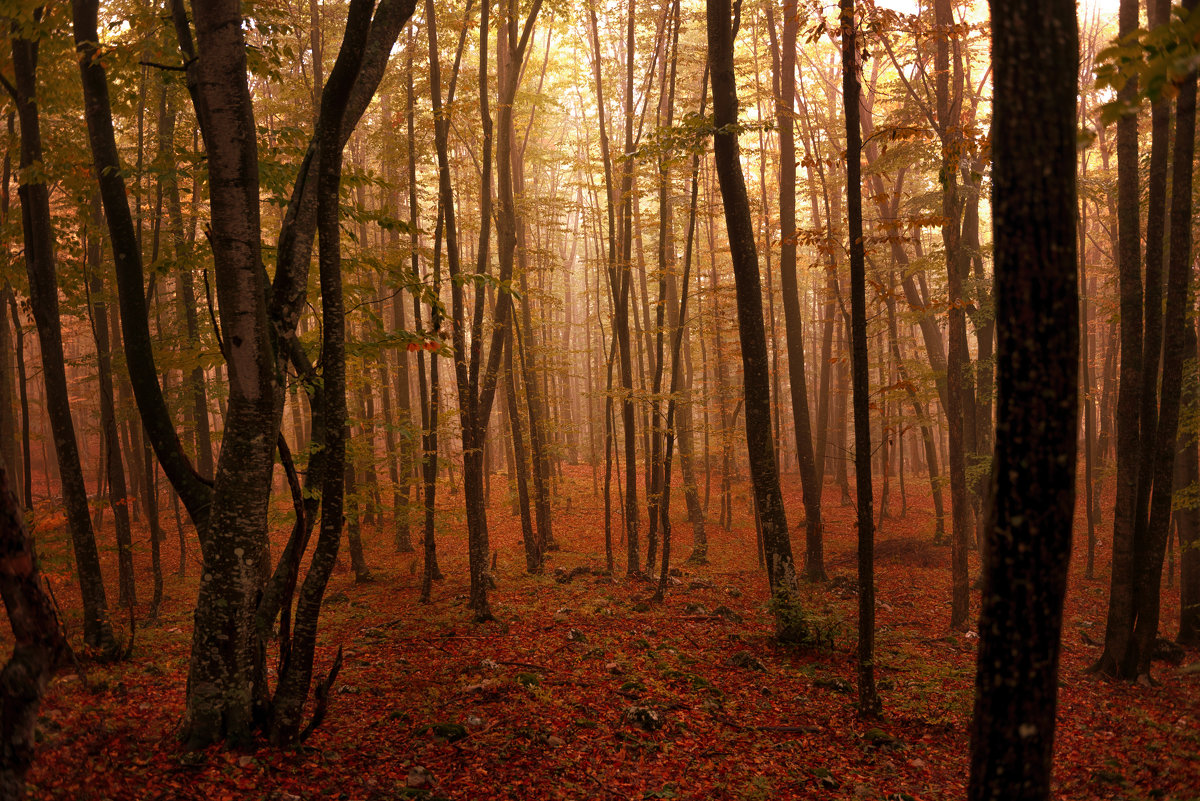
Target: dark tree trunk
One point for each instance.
(195, 492)
(533, 546)
(114, 466)
(10, 438)
(1028, 529)
(814, 564)
(1188, 517)
(764, 472)
(296, 675)
(222, 678)
(958, 359)
(39, 647)
(23, 387)
(43, 299)
(1148, 569)
(1118, 659)
(868, 697)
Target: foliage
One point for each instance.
(1158, 59)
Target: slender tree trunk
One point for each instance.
(1118, 659)
(43, 299)
(115, 469)
(764, 472)
(868, 697)
(533, 549)
(1188, 516)
(10, 440)
(814, 549)
(1148, 574)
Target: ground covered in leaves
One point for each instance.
(584, 690)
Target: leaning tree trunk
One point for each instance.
(1028, 530)
(764, 472)
(43, 299)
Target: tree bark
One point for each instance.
(39, 647)
(868, 697)
(1028, 530)
(814, 563)
(764, 472)
(43, 299)
(1148, 570)
(118, 496)
(1117, 658)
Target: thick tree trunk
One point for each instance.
(1028, 529)
(225, 649)
(39, 647)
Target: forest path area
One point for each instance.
(583, 690)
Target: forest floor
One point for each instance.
(548, 696)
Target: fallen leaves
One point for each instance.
(585, 690)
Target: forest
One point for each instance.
(613, 399)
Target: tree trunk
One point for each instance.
(1028, 529)
(39, 647)
(764, 472)
(868, 697)
(43, 299)
(814, 563)
(115, 469)
(1188, 515)
(1148, 570)
(1118, 659)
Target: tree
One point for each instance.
(39, 648)
(43, 299)
(227, 693)
(868, 697)
(1032, 497)
(814, 557)
(764, 470)
(1146, 442)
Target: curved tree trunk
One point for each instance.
(764, 472)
